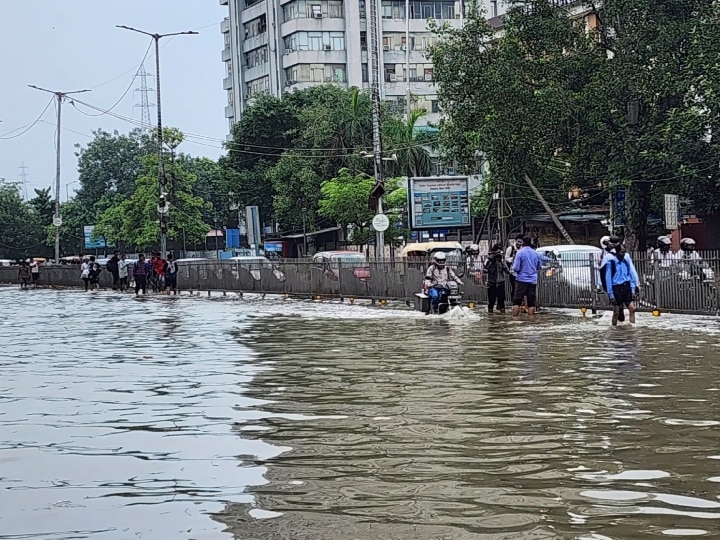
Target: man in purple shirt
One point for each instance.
(527, 266)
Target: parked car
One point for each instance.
(571, 264)
(255, 263)
(332, 261)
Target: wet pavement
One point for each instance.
(247, 418)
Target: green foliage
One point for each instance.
(632, 102)
(43, 206)
(344, 201)
(21, 233)
(134, 221)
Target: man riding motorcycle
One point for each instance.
(438, 280)
(663, 254)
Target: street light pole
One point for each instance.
(67, 191)
(304, 233)
(162, 179)
(57, 219)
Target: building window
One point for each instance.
(365, 77)
(256, 57)
(428, 74)
(393, 9)
(256, 27)
(257, 87)
(363, 41)
(434, 106)
(362, 9)
(493, 8)
(429, 9)
(316, 73)
(317, 9)
(316, 41)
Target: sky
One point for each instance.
(73, 45)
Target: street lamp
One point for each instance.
(67, 192)
(304, 234)
(162, 180)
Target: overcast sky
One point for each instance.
(73, 44)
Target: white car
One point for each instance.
(571, 264)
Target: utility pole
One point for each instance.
(57, 219)
(407, 59)
(379, 188)
(547, 208)
(162, 179)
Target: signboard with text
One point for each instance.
(92, 242)
(439, 202)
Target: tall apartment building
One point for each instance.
(276, 46)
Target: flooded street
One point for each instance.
(231, 418)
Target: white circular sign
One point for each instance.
(57, 221)
(163, 209)
(380, 222)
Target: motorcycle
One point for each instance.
(449, 297)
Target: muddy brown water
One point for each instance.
(248, 418)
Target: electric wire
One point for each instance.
(29, 127)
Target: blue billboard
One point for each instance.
(90, 241)
(439, 202)
(619, 201)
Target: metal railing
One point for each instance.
(570, 281)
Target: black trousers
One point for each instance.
(140, 283)
(496, 293)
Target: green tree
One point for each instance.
(21, 233)
(43, 205)
(108, 167)
(409, 145)
(344, 201)
(134, 222)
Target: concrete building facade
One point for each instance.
(277, 46)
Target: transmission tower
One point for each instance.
(23, 179)
(144, 104)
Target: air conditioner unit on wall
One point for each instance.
(386, 47)
(288, 51)
(317, 15)
(393, 77)
(327, 47)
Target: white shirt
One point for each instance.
(123, 266)
(35, 267)
(688, 255)
(664, 258)
(85, 270)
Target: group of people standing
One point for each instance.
(520, 264)
(159, 274)
(26, 270)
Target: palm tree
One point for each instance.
(410, 145)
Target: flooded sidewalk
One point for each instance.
(217, 418)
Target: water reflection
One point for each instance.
(484, 429)
(311, 420)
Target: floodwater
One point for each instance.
(221, 418)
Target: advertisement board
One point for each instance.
(90, 242)
(439, 202)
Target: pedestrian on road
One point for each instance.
(171, 270)
(623, 284)
(35, 271)
(24, 274)
(85, 272)
(527, 266)
(495, 272)
(124, 272)
(510, 254)
(113, 266)
(94, 273)
(159, 265)
(141, 270)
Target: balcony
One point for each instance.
(229, 111)
(313, 57)
(225, 26)
(254, 42)
(226, 54)
(397, 56)
(227, 83)
(255, 72)
(224, 2)
(306, 24)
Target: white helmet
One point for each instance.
(473, 249)
(687, 244)
(604, 241)
(440, 257)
